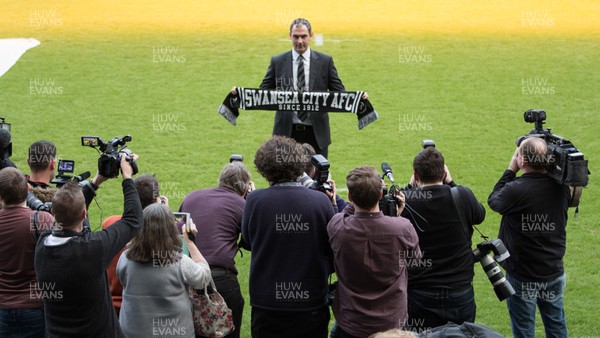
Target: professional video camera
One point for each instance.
(567, 164)
(388, 204)
(109, 162)
(68, 166)
(5, 140)
(501, 286)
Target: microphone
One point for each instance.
(387, 171)
(82, 176)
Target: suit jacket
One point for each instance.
(323, 76)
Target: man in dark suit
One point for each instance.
(319, 75)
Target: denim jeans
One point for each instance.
(548, 296)
(435, 307)
(21, 323)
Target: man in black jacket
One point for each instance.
(440, 280)
(534, 218)
(71, 265)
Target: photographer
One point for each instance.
(367, 246)
(42, 164)
(217, 213)
(440, 287)
(5, 149)
(533, 227)
(285, 227)
(74, 263)
(21, 312)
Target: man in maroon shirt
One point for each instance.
(21, 313)
(370, 257)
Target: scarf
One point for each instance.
(262, 99)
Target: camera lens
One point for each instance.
(502, 287)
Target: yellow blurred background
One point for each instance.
(387, 17)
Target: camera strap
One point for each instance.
(459, 209)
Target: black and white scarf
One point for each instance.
(276, 100)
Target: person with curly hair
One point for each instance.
(285, 226)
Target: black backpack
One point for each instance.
(465, 330)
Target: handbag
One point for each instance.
(212, 317)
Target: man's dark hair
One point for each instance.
(310, 151)
(13, 186)
(280, 159)
(68, 204)
(41, 153)
(364, 186)
(535, 152)
(148, 189)
(429, 165)
(301, 22)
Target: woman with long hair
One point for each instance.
(155, 275)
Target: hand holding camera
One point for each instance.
(127, 163)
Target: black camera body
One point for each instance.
(236, 158)
(5, 140)
(109, 162)
(321, 173)
(388, 205)
(566, 164)
(35, 203)
(502, 287)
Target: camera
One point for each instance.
(67, 166)
(236, 158)
(185, 218)
(428, 143)
(35, 203)
(388, 204)
(321, 175)
(109, 162)
(566, 164)
(4, 125)
(502, 287)
(5, 140)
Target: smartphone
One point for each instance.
(185, 218)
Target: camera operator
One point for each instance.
(533, 227)
(74, 263)
(5, 150)
(363, 231)
(285, 227)
(217, 213)
(21, 311)
(42, 164)
(440, 287)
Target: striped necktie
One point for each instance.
(301, 82)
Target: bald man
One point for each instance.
(533, 228)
